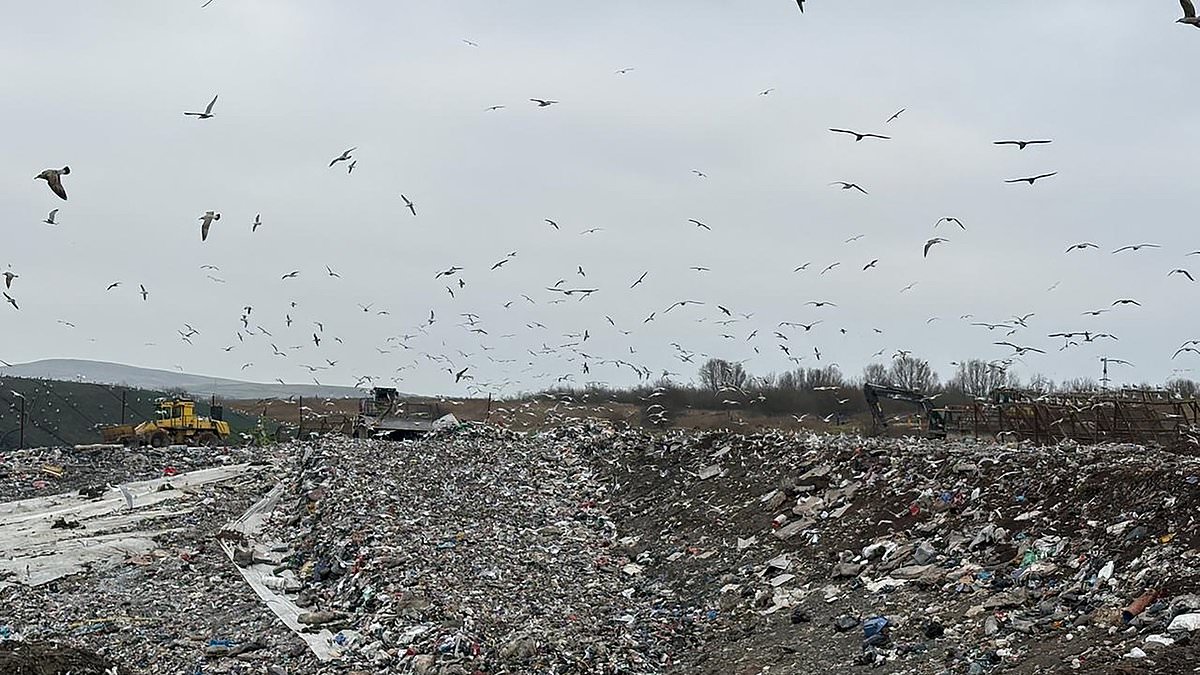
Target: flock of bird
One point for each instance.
(565, 357)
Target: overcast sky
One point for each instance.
(101, 87)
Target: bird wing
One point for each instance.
(800, 4)
(1189, 10)
(55, 183)
(1045, 175)
(856, 187)
(53, 214)
(208, 110)
(844, 131)
(204, 229)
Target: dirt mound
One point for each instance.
(52, 658)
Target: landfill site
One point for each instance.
(593, 547)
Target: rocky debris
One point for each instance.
(88, 470)
(179, 608)
(586, 548)
(50, 658)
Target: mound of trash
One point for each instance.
(49, 658)
(595, 550)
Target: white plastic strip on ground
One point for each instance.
(250, 524)
(32, 552)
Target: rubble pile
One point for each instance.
(34, 472)
(588, 548)
(178, 608)
(922, 556)
(473, 551)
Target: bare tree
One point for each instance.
(913, 373)
(718, 373)
(978, 379)
(828, 376)
(1040, 383)
(1182, 387)
(877, 373)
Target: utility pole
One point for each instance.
(300, 429)
(22, 442)
(1104, 374)
(123, 393)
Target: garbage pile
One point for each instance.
(590, 548)
(823, 553)
(34, 472)
(178, 606)
(475, 550)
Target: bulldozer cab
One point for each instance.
(176, 409)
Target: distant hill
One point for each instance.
(100, 372)
(67, 413)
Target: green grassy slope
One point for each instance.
(67, 413)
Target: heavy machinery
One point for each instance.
(873, 392)
(386, 415)
(175, 423)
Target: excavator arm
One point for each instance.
(874, 392)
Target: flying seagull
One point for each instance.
(1136, 247)
(9, 299)
(256, 223)
(1183, 272)
(929, 244)
(1021, 144)
(53, 178)
(345, 156)
(206, 222)
(858, 136)
(699, 224)
(1189, 14)
(950, 219)
(409, 205)
(896, 115)
(1032, 179)
(543, 103)
(144, 292)
(290, 275)
(50, 218)
(1081, 246)
(849, 186)
(207, 114)
(8, 278)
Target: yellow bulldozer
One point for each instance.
(176, 423)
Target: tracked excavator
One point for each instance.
(874, 392)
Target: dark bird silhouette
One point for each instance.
(896, 115)
(543, 103)
(53, 178)
(849, 186)
(699, 224)
(1021, 144)
(1032, 179)
(858, 136)
(931, 243)
(1081, 246)
(409, 205)
(344, 157)
(949, 219)
(206, 222)
(1189, 14)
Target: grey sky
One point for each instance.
(101, 87)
